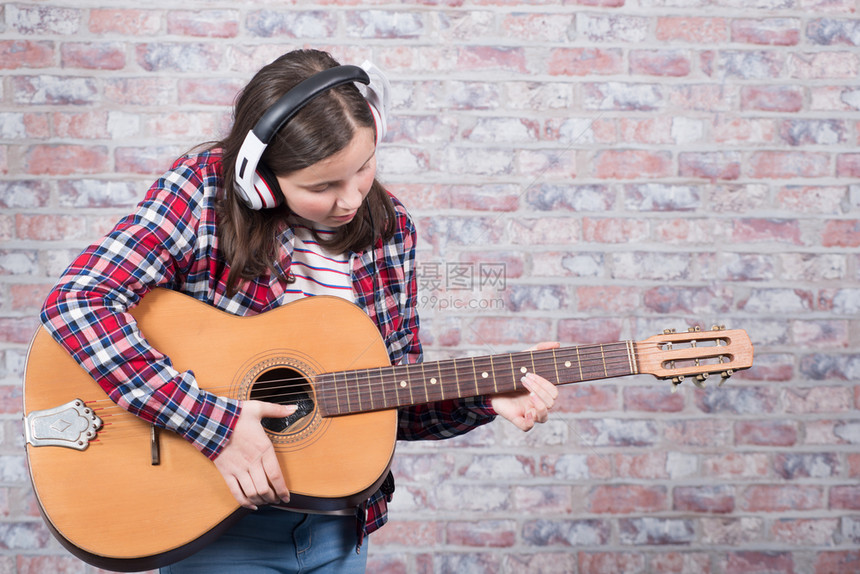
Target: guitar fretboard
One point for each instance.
(364, 390)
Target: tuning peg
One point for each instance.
(699, 380)
(676, 382)
(668, 331)
(695, 329)
(718, 328)
(724, 376)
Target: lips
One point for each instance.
(344, 218)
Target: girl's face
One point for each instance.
(330, 191)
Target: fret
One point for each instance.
(603, 358)
(424, 382)
(483, 368)
(439, 381)
(555, 366)
(347, 393)
(579, 362)
(475, 377)
(382, 387)
(459, 393)
(513, 370)
(403, 381)
(336, 394)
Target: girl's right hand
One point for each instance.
(248, 463)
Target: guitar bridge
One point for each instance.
(71, 425)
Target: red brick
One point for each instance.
(845, 497)
(586, 397)
(547, 27)
(707, 432)
(603, 562)
(778, 230)
(734, 130)
(853, 465)
(611, 299)
(656, 530)
(585, 61)
(767, 31)
(818, 400)
(710, 165)
(646, 130)
(18, 330)
(681, 563)
(736, 465)
(754, 562)
(766, 433)
(388, 563)
(93, 55)
(27, 296)
(774, 498)
(81, 125)
(626, 499)
(614, 230)
(410, 533)
(695, 30)
(806, 532)
(504, 331)
(848, 165)
(488, 533)
(50, 227)
(17, 54)
(695, 300)
(29, 19)
(780, 165)
(824, 65)
(772, 98)
(204, 23)
(490, 58)
(584, 331)
(650, 465)
(653, 399)
(146, 160)
(128, 22)
(710, 499)
(175, 57)
(671, 63)
(65, 159)
(793, 465)
(543, 499)
(837, 562)
(632, 164)
(42, 564)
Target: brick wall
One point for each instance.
(583, 171)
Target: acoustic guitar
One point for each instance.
(123, 496)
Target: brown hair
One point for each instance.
(325, 126)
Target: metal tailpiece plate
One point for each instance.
(71, 425)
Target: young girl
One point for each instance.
(286, 206)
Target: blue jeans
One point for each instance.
(275, 541)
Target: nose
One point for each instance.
(350, 197)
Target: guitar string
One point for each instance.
(372, 380)
(361, 376)
(612, 359)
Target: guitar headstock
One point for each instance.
(696, 354)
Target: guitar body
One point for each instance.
(134, 499)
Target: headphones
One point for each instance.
(256, 185)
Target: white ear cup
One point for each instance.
(378, 95)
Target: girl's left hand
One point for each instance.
(530, 406)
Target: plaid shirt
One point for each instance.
(170, 241)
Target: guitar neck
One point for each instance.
(365, 390)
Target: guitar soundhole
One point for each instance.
(284, 386)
